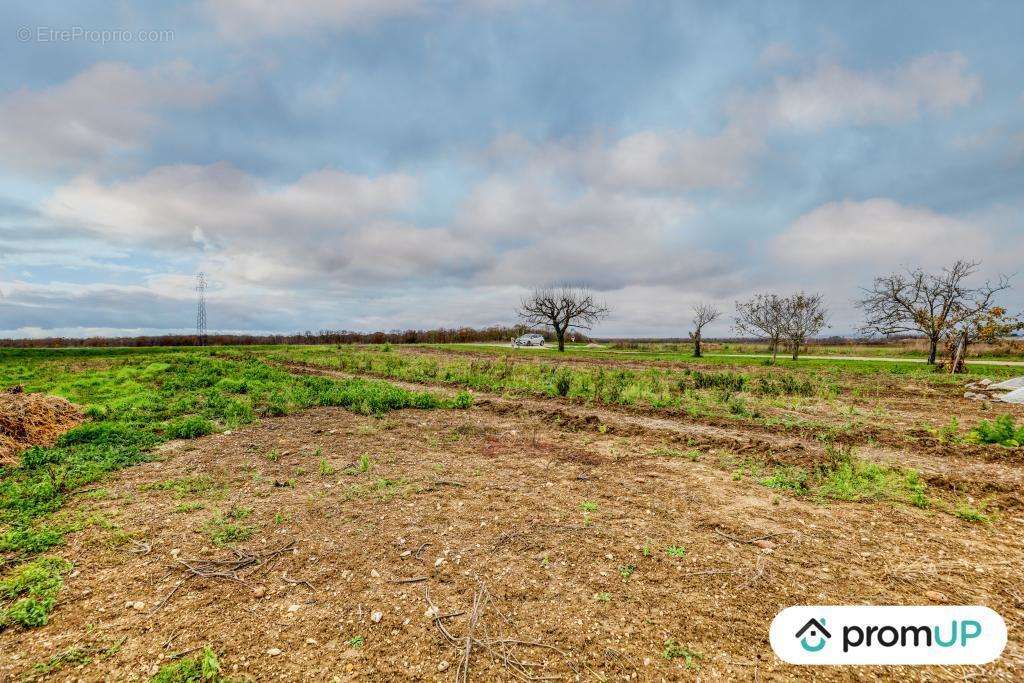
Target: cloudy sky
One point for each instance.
(378, 164)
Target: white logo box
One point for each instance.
(860, 634)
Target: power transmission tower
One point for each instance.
(201, 309)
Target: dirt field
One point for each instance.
(570, 542)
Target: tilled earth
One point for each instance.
(566, 545)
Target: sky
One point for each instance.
(391, 164)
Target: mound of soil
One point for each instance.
(32, 420)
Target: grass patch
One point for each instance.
(227, 528)
(30, 591)
(842, 476)
(673, 650)
(967, 512)
(1002, 431)
(203, 668)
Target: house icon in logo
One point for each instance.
(815, 629)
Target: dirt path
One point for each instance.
(588, 557)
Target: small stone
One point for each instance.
(293, 608)
(374, 573)
(311, 641)
(764, 543)
(438, 562)
(375, 617)
(174, 552)
(647, 661)
(443, 665)
(935, 596)
(259, 591)
(432, 612)
(274, 651)
(139, 605)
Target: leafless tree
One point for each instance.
(703, 314)
(762, 317)
(804, 315)
(562, 308)
(927, 303)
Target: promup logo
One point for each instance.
(888, 635)
(814, 629)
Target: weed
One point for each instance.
(326, 468)
(203, 668)
(1002, 431)
(787, 477)
(189, 507)
(31, 590)
(626, 571)
(949, 434)
(676, 551)
(74, 656)
(588, 506)
(674, 650)
(967, 512)
(356, 642)
(693, 455)
(603, 597)
(224, 529)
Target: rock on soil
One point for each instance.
(32, 420)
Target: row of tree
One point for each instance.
(789, 320)
(451, 335)
(939, 305)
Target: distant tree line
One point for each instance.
(452, 335)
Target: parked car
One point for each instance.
(529, 340)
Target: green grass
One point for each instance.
(136, 399)
(1002, 431)
(969, 513)
(30, 591)
(673, 650)
(202, 668)
(227, 528)
(842, 476)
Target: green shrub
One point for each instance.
(717, 380)
(1002, 431)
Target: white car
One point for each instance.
(529, 340)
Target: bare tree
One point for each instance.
(562, 308)
(703, 314)
(804, 315)
(762, 317)
(927, 303)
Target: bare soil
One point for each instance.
(555, 528)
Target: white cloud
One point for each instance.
(833, 95)
(328, 227)
(877, 231)
(106, 109)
